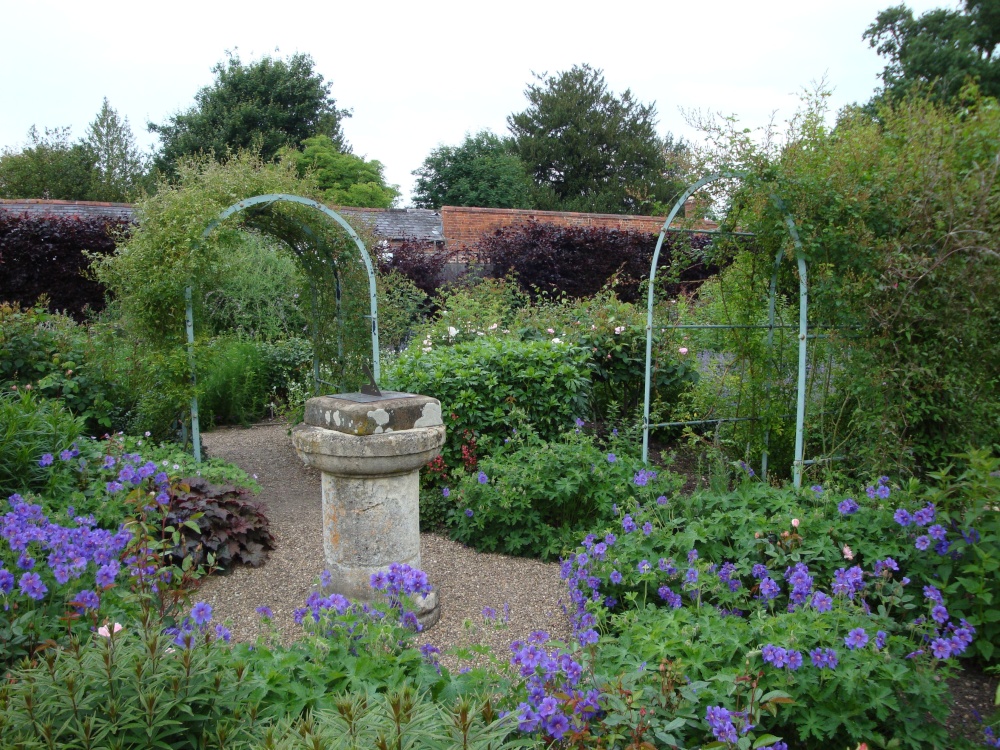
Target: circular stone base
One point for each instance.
(428, 609)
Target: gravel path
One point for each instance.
(466, 580)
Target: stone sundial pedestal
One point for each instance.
(370, 448)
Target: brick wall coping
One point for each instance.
(529, 213)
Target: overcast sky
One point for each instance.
(419, 74)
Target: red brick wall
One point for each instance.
(464, 226)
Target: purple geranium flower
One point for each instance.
(201, 613)
(856, 638)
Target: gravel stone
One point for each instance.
(466, 581)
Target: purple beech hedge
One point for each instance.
(44, 254)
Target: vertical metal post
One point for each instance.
(189, 324)
(771, 302)
(800, 401)
(315, 332)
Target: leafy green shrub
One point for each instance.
(475, 307)
(49, 352)
(966, 563)
(231, 528)
(286, 363)
(401, 306)
(871, 694)
(261, 292)
(897, 214)
(29, 428)
(614, 332)
(535, 497)
(480, 382)
(747, 594)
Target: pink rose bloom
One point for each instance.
(795, 523)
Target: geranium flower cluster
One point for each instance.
(398, 583)
(644, 477)
(936, 533)
(781, 658)
(325, 610)
(555, 702)
(879, 490)
(948, 639)
(198, 623)
(723, 723)
(65, 456)
(801, 584)
(584, 587)
(68, 552)
(132, 472)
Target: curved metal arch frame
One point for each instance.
(267, 200)
(800, 408)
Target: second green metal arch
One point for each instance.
(798, 465)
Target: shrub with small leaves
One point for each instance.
(515, 503)
(478, 384)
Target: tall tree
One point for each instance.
(49, 166)
(346, 179)
(120, 166)
(484, 170)
(588, 149)
(267, 105)
(940, 49)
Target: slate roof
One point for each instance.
(387, 223)
(401, 223)
(37, 206)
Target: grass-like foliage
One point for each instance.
(29, 428)
(396, 719)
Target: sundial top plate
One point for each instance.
(366, 398)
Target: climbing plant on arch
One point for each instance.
(161, 275)
(771, 326)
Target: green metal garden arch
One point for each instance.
(803, 335)
(267, 200)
